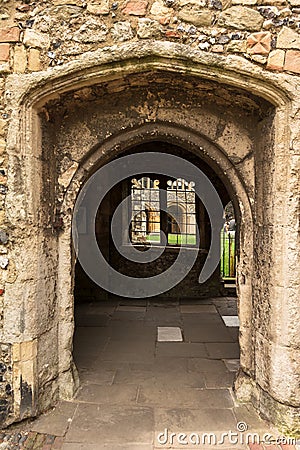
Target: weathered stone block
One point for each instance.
(147, 28)
(34, 63)
(35, 39)
(198, 17)
(292, 61)
(122, 31)
(93, 30)
(288, 38)
(4, 52)
(241, 18)
(159, 9)
(276, 60)
(259, 43)
(136, 7)
(10, 34)
(100, 8)
(20, 59)
(66, 177)
(218, 48)
(237, 46)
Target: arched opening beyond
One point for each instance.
(106, 326)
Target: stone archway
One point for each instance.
(275, 397)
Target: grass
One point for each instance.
(227, 249)
(174, 239)
(227, 256)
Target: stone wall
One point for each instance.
(38, 35)
(82, 82)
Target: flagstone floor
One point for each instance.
(139, 390)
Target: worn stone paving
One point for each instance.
(135, 391)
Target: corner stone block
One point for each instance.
(34, 63)
(20, 59)
(292, 61)
(288, 39)
(136, 8)
(276, 60)
(259, 43)
(10, 34)
(35, 39)
(4, 52)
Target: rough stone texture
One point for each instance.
(35, 39)
(196, 16)
(122, 31)
(4, 52)
(147, 28)
(276, 60)
(288, 38)
(204, 90)
(10, 34)
(241, 18)
(20, 59)
(136, 7)
(34, 63)
(292, 61)
(98, 8)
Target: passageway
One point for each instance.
(134, 387)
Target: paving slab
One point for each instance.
(219, 380)
(157, 377)
(193, 420)
(162, 315)
(172, 397)
(133, 331)
(56, 421)
(196, 332)
(114, 425)
(169, 334)
(121, 357)
(131, 308)
(234, 333)
(128, 316)
(192, 309)
(231, 321)
(223, 350)
(132, 302)
(202, 319)
(226, 305)
(207, 365)
(180, 349)
(107, 395)
(96, 375)
(88, 335)
(91, 320)
(169, 365)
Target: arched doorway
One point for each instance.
(244, 147)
